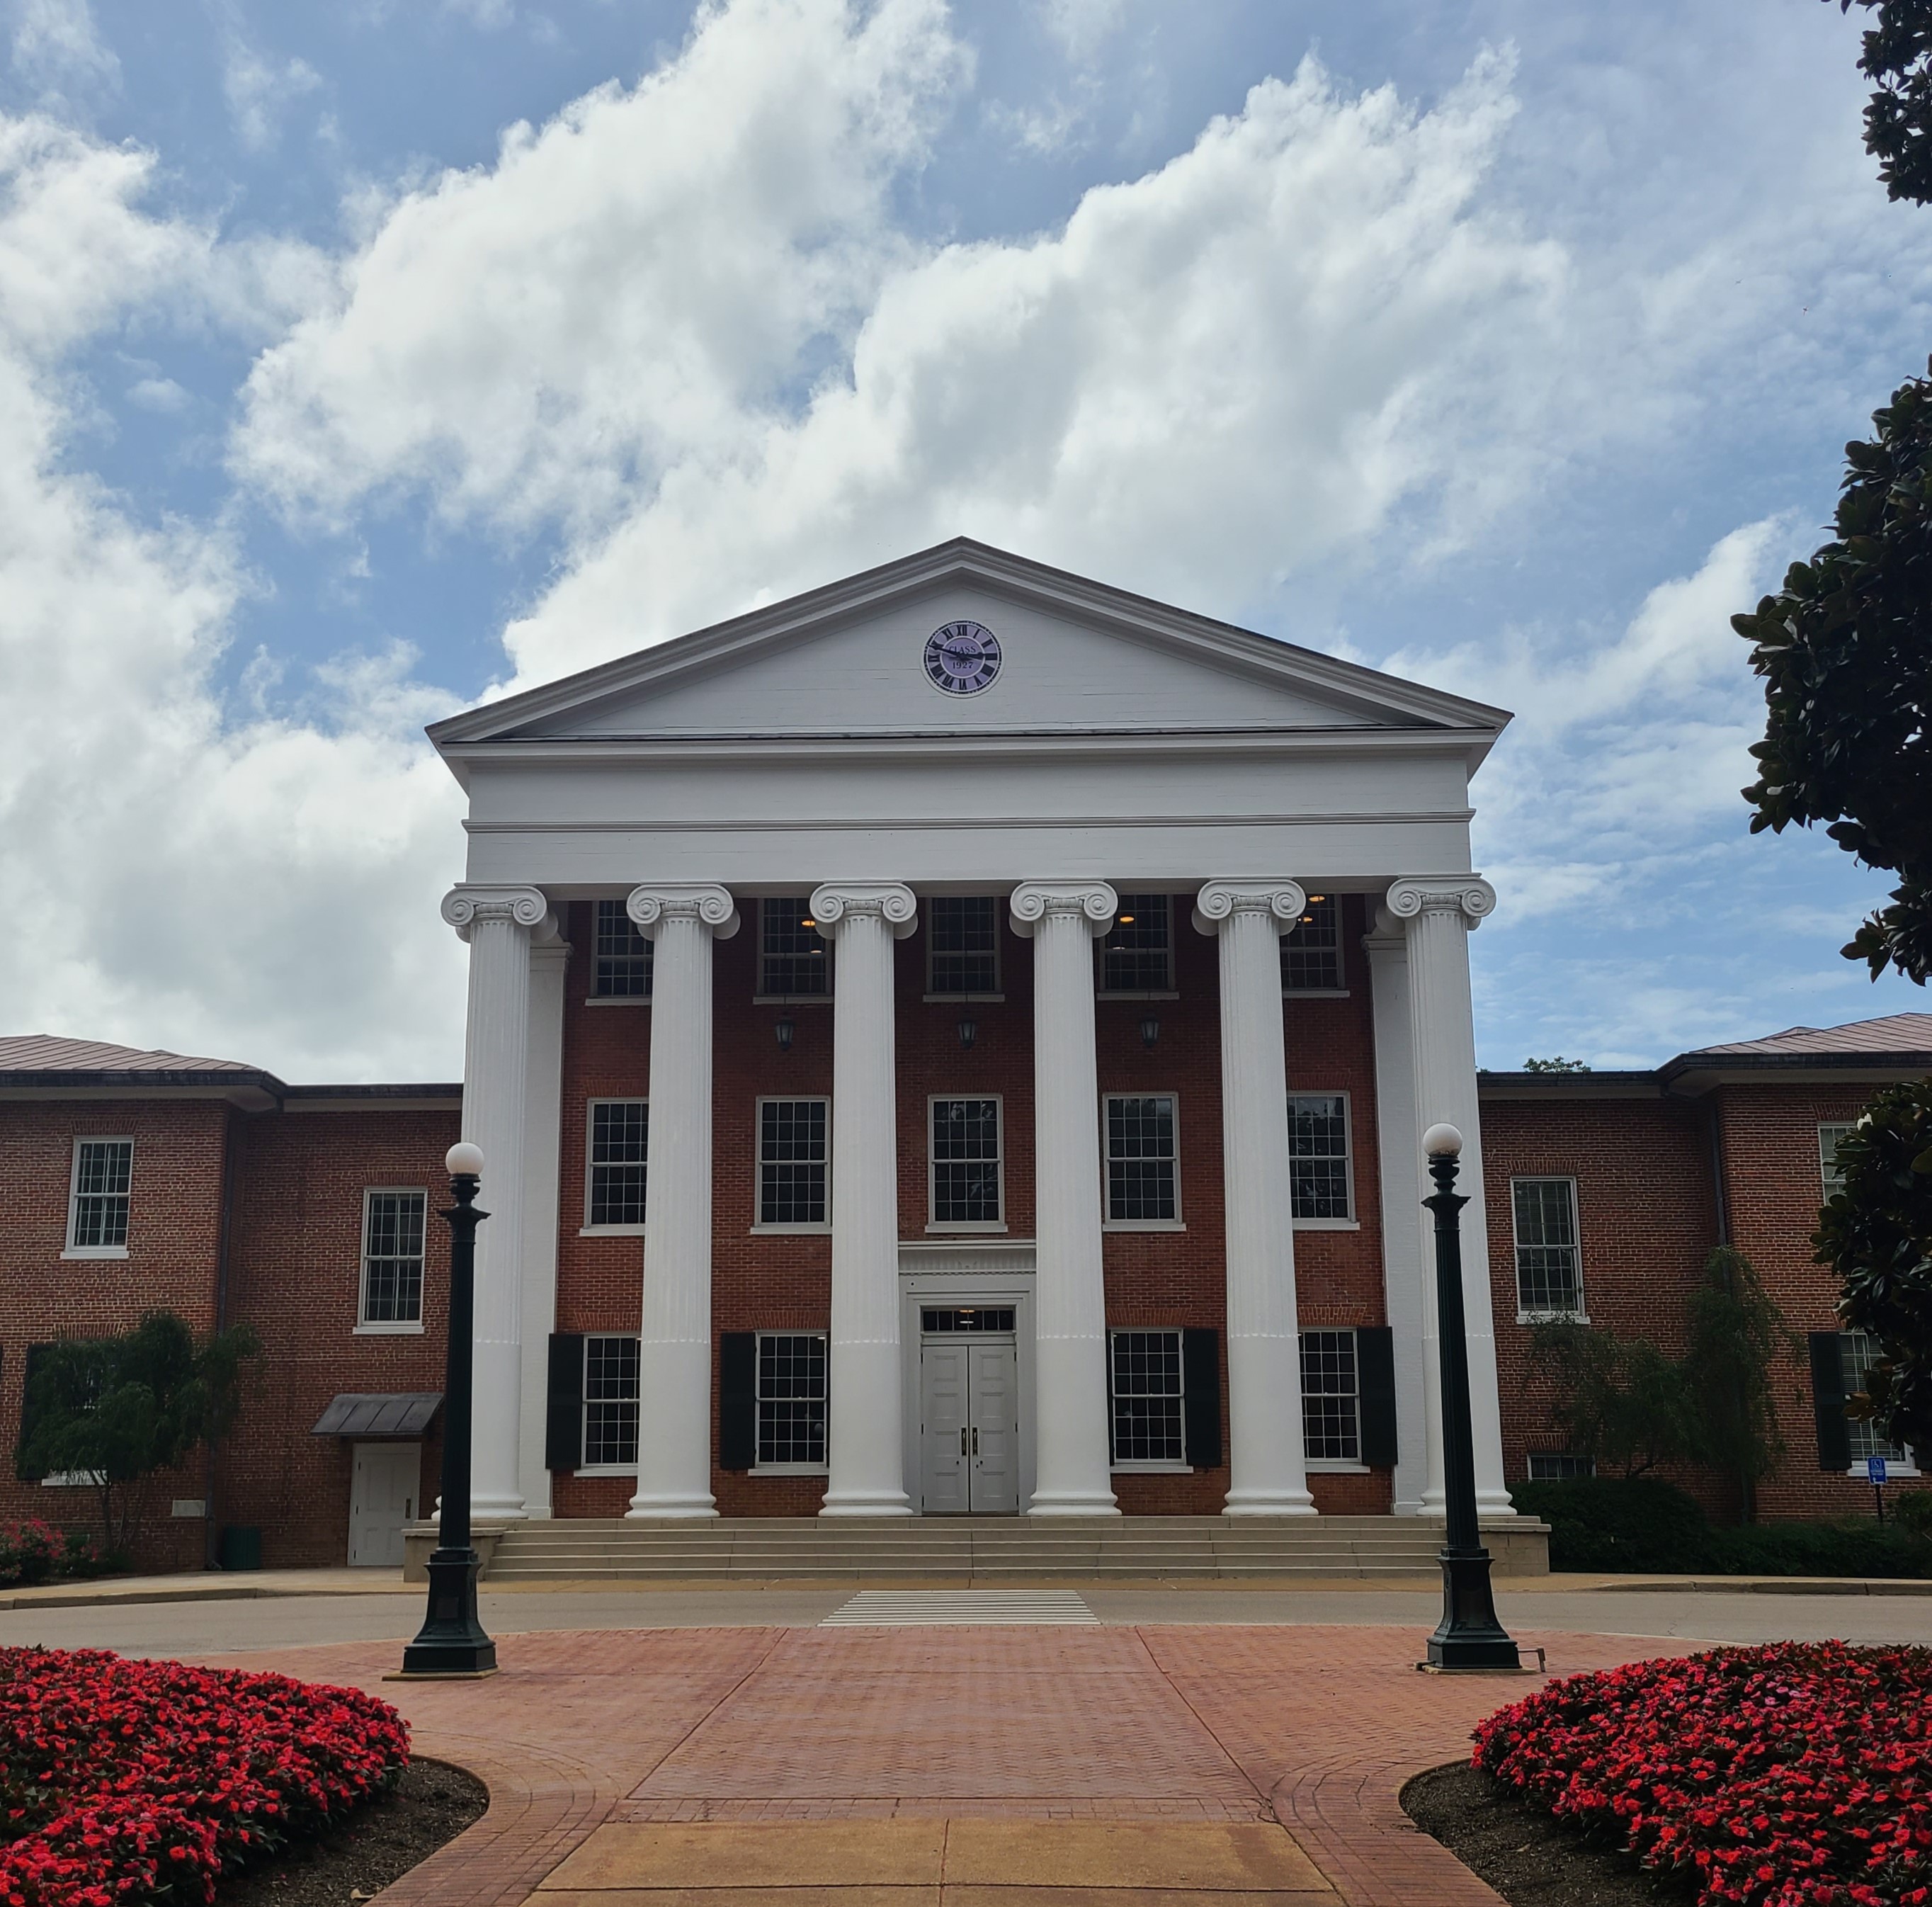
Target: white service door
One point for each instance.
(945, 1433)
(383, 1495)
(994, 1440)
(969, 1442)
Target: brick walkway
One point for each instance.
(1314, 1728)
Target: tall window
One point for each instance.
(1145, 1372)
(619, 1153)
(1331, 1406)
(1137, 956)
(609, 1401)
(1831, 1179)
(791, 1398)
(965, 1162)
(963, 942)
(104, 1169)
(792, 1161)
(1548, 1263)
(1857, 1353)
(1141, 1173)
(392, 1257)
(1320, 1183)
(792, 956)
(1311, 949)
(622, 969)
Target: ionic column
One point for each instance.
(1073, 1468)
(543, 1127)
(674, 1360)
(499, 924)
(863, 1453)
(1440, 911)
(1268, 1464)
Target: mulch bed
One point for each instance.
(381, 1840)
(1529, 1857)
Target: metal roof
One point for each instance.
(42, 1052)
(378, 1414)
(1899, 1033)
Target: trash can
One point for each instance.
(241, 1547)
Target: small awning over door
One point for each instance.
(378, 1414)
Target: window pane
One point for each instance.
(1140, 1158)
(791, 954)
(1828, 1135)
(101, 1178)
(1318, 1147)
(791, 1398)
(965, 1161)
(392, 1258)
(623, 955)
(980, 1317)
(1331, 1419)
(1311, 949)
(965, 931)
(610, 1400)
(1857, 1353)
(1549, 1272)
(1146, 1373)
(1559, 1466)
(620, 1136)
(1135, 956)
(791, 1162)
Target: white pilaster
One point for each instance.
(1073, 1472)
(1267, 1464)
(1440, 911)
(543, 1121)
(674, 1357)
(1408, 1289)
(862, 919)
(499, 923)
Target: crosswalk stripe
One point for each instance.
(900, 1608)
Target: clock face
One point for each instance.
(962, 657)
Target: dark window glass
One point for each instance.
(1318, 1147)
(1144, 1367)
(392, 1258)
(1136, 956)
(1140, 1156)
(791, 1162)
(1311, 949)
(610, 1400)
(965, 1161)
(791, 1398)
(965, 950)
(622, 969)
(792, 957)
(102, 1174)
(976, 1317)
(1548, 1272)
(619, 1138)
(1330, 1404)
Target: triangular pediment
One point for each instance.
(1075, 656)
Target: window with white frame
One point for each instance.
(793, 960)
(792, 1161)
(619, 1154)
(1548, 1261)
(1137, 955)
(962, 933)
(1831, 1178)
(610, 1401)
(791, 1400)
(1559, 1466)
(103, 1171)
(1142, 1163)
(622, 956)
(1331, 1404)
(964, 1172)
(1145, 1376)
(1857, 1352)
(1320, 1185)
(1311, 949)
(392, 1257)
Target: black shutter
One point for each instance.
(1828, 1400)
(738, 1400)
(563, 1417)
(1375, 1384)
(34, 1354)
(1200, 1379)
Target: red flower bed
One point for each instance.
(1798, 1775)
(124, 1782)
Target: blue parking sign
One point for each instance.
(1875, 1469)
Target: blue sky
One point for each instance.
(355, 360)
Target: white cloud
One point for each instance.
(259, 90)
(161, 395)
(56, 45)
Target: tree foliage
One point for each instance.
(1876, 1233)
(1897, 58)
(1620, 1400)
(1736, 1333)
(122, 1409)
(1558, 1064)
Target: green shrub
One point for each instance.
(1820, 1549)
(1912, 1510)
(1639, 1525)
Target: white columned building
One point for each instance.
(938, 1214)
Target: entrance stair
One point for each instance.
(972, 1549)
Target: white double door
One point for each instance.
(384, 1494)
(969, 1410)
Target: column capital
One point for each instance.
(712, 908)
(1092, 902)
(1467, 896)
(524, 907)
(834, 902)
(1217, 903)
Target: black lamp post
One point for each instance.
(1468, 1636)
(452, 1640)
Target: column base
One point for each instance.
(654, 1509)
(854, 1503)
(1278, 1502)
(1495, 1502)
(493, 1509)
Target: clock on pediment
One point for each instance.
(962, 657)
